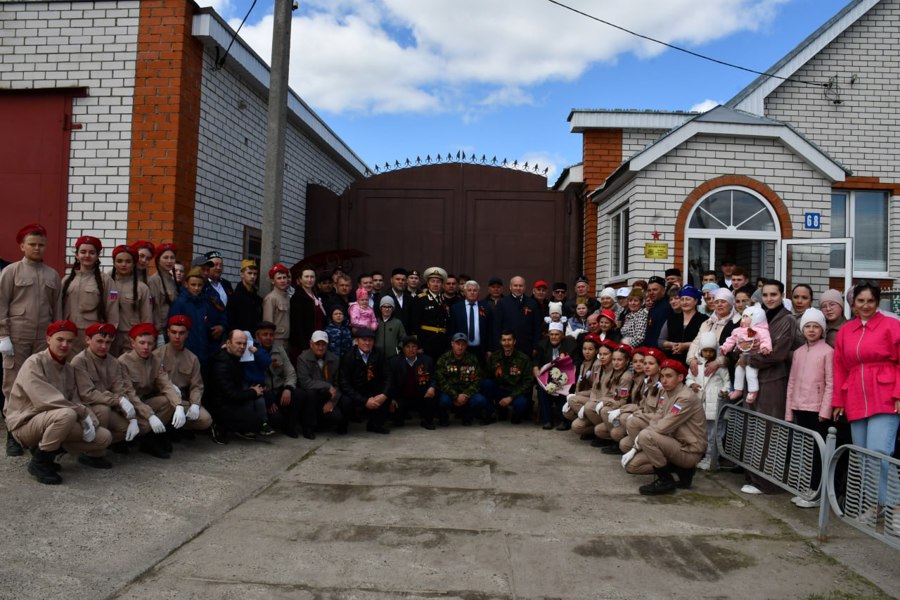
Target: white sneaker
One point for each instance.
(803, 503)
(750, 489)
(703, 465)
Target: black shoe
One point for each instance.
(43, 468)
(614, 449)
(685, 477)
(341, 428)
(444, 421)
(427, 424)
(515, 419)
(602, 443)
(245, 435)
(587, 437)
(165, 442)
(266, 430)
(94, 462)
(663, 484)
(13, 448)
(309, 433)
(564, 426)
(467, 421)
(187, 435)
(502, 414)
(218, 436)
(153, 446)
(488, 420)
(547, 426)
(373, 428)
(119, 447)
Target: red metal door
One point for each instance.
(34, 162)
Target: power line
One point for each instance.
(680, 49)
(221, 62)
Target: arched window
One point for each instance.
(733, 210)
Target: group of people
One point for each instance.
(96, 360)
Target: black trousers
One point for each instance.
(285, 418)
(312, 416)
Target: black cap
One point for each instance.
(399, 271)
(673, 272)
(364, 332)
(581, 279)
(495, 281)
(410, 339)
(658, 280)
(213, 254)
(559, 285)
(264, 325)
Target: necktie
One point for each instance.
(471, 322)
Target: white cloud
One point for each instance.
(704, 106)
(403, 56)
(223, 7)
(543, 160)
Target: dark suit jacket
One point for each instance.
(397, 367)
(524, 319)
(361, 381)
(459, 322)
(399, 313)
(545, 351)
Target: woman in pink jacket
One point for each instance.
(867, 376)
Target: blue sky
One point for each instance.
(406, 78)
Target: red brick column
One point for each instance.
(165, 126)
(602, 150)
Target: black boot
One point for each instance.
(12, 446)
(153, 445)
(663, 484)
(43, 468)
(613, 449)
(685, 477)
(53, 464)
(95, 462)
(603, 443)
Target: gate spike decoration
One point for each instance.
(418, 160)
(461, 157)
(494, 160)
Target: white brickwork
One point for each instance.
(635, 140)
(230, 169)
(47, 45)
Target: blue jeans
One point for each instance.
(520, 406)
(476, 406)
(878, 433)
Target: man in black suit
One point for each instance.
(520, 314)
(400, 295)
(475, 319)
(364, 382)
(412, 384)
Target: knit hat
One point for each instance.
(831, 296)
(813, 315)
(757, 315)
(361, 293)
(555, 308)
(708, 340)
(608, 292)
(387, 301)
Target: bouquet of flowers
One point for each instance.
(558, 376)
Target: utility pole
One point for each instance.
(277, 123)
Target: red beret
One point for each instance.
(626, 349)
(90, 240)
(278, 268)
(163, 248)
(122, 248)
(675, 365)
(143, 329)
(58, 326)
(28, 230)
(607, 342)
(656, 353)
(608, 314)
(104, 328)
(143, 244)
(593, 337)
(639, 350)
(179, 320)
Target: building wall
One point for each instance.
(658, 192)
(231, 166)
(635, 140)
(46, 45)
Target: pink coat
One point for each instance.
(362, 317)
(811, 385)
(740, 335)
(867, 367)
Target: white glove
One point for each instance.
(614, 414)
(160, 340)
(178, 418)
(132, 430)
(193, 412)
(598, 408)
(88, 433)
(581, 412)
(6, 347)
(178, 391)
(569, 398)
(636, 443)
(626, 458)
(127, 407)
(156, 425)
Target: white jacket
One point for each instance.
(709, 388)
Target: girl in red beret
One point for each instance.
(134, 297)
(163, 286)
(143, 254)
(88, 295)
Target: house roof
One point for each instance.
(751, 98)
(724, 121)
(581, 119)
(571, 175)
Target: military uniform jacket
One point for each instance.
(41, 385)
(29, 299)
(648, 398)
(149, 378)
(608, 390)
(163, 292)
(129, 315)
(682, 417)
(183, 369)
(429, 319)
(362, 380)
(457, 376)
(588, 376)
(277, 309)
(102, 381)
(310, 376)
(281, 373)
(511, 373)
(83, 299)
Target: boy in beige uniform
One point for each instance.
(183, 369)
(277, 304)
(29, 295)
(153, 387)
(44, 411)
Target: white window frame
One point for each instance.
(622, 214)
(850, 229)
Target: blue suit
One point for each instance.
(522, 316)
(459, 323)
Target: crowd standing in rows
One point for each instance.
(100, 359)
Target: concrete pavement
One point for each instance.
(463, 512)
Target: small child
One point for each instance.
(361, 314)
(554, 309)
(578, 323)
(753, 326)
(810, 387)
(340, 337)
(709, 388)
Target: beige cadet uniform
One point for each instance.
(29, 298)
(277, 310)
(607, 430)
(183, 370)
(652, 405)
(677, 437)
(582, 425)
(588, 376)
(82, 300)
(603, 395)
(159, 288)
(44, 411)
(129, 314)
(151, 384)
(101, 382)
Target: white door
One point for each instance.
(817, 263)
